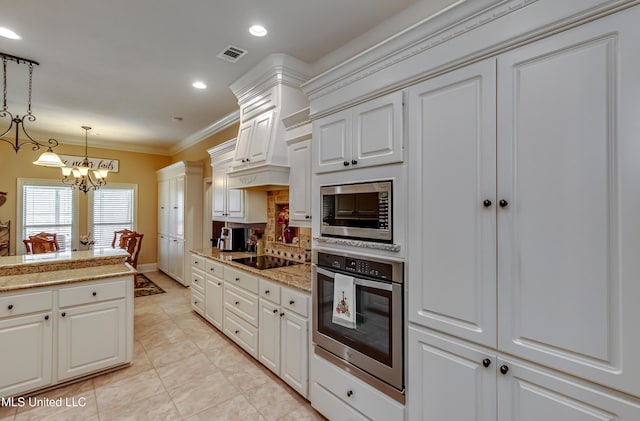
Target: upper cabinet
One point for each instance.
(299, 140)
(265, 94)
(229, 204)
(366, 135)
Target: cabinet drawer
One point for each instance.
(296, 301)
(332, 407)
(270, 291)
(242, 303)
(354, 392)
(14, 305)
(198, 262)
(241, 333)
(241, 279)
(197, 280)
(214, 268)
(92, 293)
(197, 302)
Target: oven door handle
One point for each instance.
(358, 281)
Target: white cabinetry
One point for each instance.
(253, 140)
(26, 341)
(233, 205)
(365, 135)
(214, 293)
(241, 309)
(547, 252)
(299, 140)
(179, 228)
(88, 327)
(284, 334)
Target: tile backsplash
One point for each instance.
(298, 252)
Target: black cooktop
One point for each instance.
(265, 262)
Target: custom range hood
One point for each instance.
(266, 94)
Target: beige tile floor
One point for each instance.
(183, 369)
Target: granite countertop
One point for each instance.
(38, 270)
(296, 276)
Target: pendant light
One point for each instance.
(81, 176)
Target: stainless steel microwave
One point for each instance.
(358, 211)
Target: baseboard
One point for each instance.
(148, 267)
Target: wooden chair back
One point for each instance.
(119, 234)
(50, 236)
(36, 245)
(132, 242)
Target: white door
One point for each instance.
(300, 182)
(332, 142)
(260, 138)
(219, 174)
(294, 351)
(531, 393)
(452, 275)
(269, 336)
(91, 337)
(163, 252)
(568, 169)
(176, 222)
(25, 346)
(176, 260)
(164, 206)
(213, 297)
(378, 131)
(450, 380)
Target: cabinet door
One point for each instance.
(91, 337)
(531, 393)
(378, 131)
(452, 274)
(163, 206)
(332, 142)
(25, 346)
(176, 259)
(219, 172)
(213, 298)
(176, 190)
(163, 252)
(269, 336)
(260, 138)
(245, 134)
(568, 240)
(300, 183)
(294, 352)
(450, 379)
(235, 203)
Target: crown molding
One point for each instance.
(215, 127)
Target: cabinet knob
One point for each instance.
(237, 331)
(237, 279)
(212, 269)
(244, 160)
(487, 203)
(196, 262)
(94, 293)
(282, 314)
(275, 310)
(503, 203)
(10, 306)
(267, 292)
(248, 159)
(291, 302)
(195, 280)
(354, 162)
(504, 369)
(345, 163)
(219, 283)
(349, 393)
(195, 302)
(486, 362)
(237, 303)
(46, 317)
(63, 314)
(306, 217)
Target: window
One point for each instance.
(112, 208)
(47, 206)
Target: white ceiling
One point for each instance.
(125, 67)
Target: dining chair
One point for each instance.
(119, 234)
(36, 245)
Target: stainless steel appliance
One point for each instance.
(361, 211)
(231, 239)
(373, 348)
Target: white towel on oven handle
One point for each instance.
(344, 301)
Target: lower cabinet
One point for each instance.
(88, 325)
(284, 334)
(214, 293)
(454, 380)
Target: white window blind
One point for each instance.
(111, 209)
(48, 209)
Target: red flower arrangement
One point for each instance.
(283, 217)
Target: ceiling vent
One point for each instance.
(232, 53)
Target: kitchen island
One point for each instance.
(64, 316)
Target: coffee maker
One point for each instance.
(231, 239)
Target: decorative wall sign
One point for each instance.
(113, 165)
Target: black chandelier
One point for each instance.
(82, 174)
(48, 158)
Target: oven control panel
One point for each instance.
(357, 266)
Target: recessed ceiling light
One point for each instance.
(258, 31)
(8, 33)
(199, 85)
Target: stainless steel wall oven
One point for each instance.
(370, 343)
